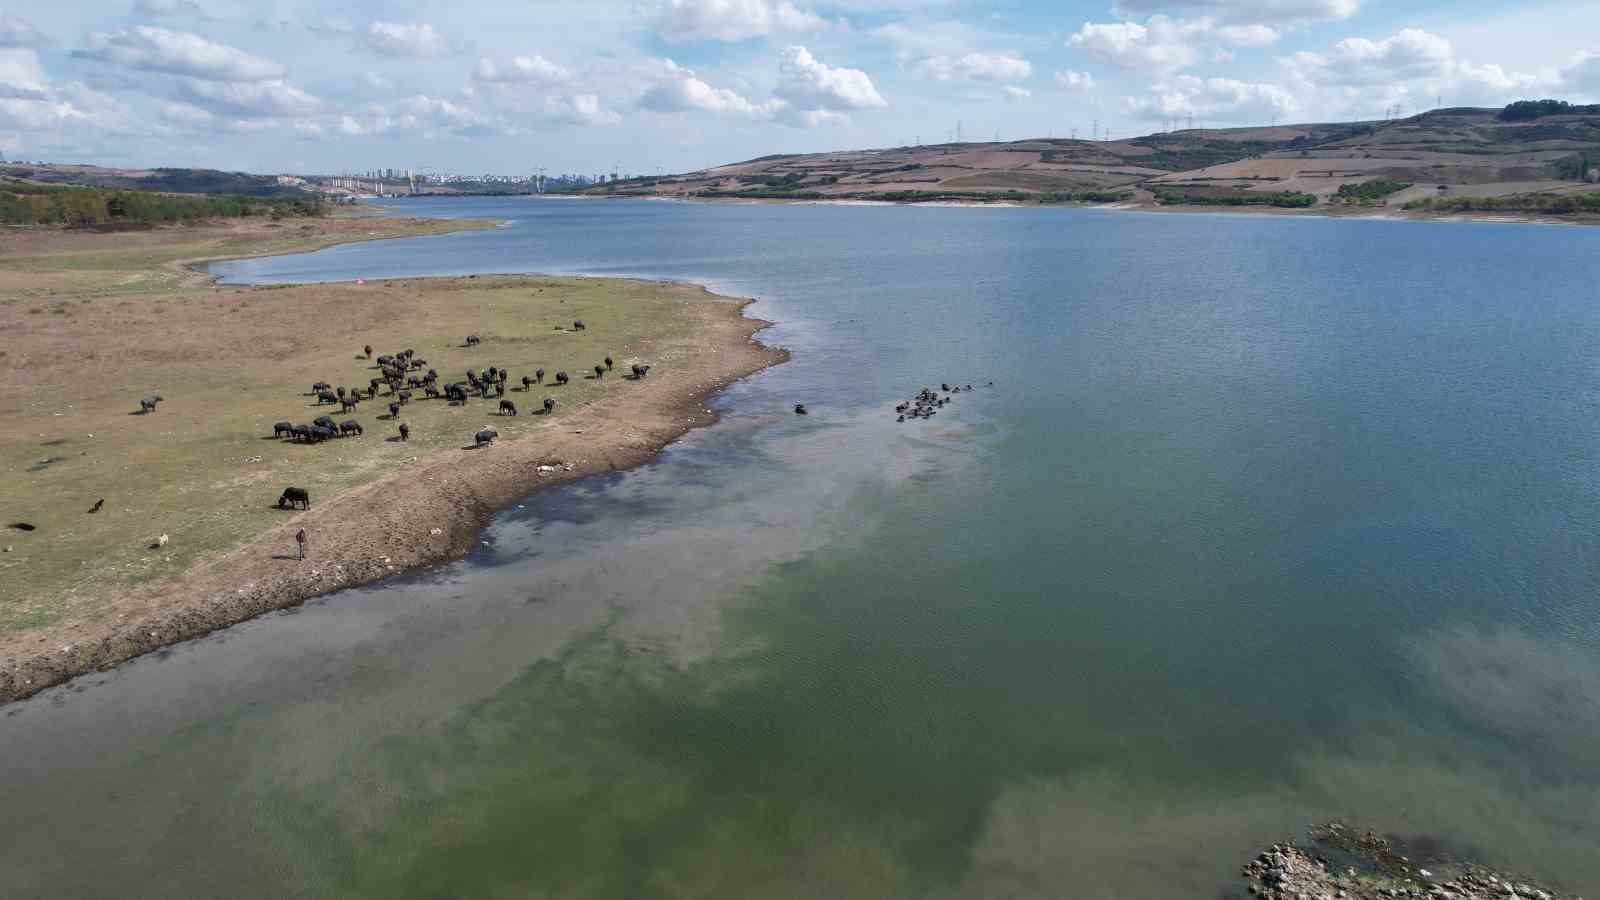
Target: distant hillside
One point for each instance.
(1529, 148)
(178, 181)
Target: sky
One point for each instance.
(586, 86)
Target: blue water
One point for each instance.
(1262, 520)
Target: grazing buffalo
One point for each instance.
(327, 397)
(293, 496)
(339, 392)
(385, 360)
(549, 405)
(300, 433)
(561, 378)
(455, 393)
(578, 325)
(538, 376)
(394, 410)
(349, 403)
(485, 435)
(321, 386)
(405, 432)
(640, 371)
(430, 391)
(527, 383)
(405, 397)
(350, 426)
(283, 429)
(323, 421)
(148, 404)
(599, 371)
(323, 432)
(507, 408)
(608, 362)
(473, 340)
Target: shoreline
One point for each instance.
(430, 509)
(1378, 214)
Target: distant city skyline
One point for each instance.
(315, 87)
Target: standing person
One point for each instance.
(300, 538)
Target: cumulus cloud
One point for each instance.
(1409, 54)
(1222, 99)
(1278, 11)
(177, 53)
(1583, 73)
(1012, 93)
(730, 20)
(522, 69)
(248, 99)
(975, 67)
(811, 86)
(21, 76)
(1075, 81)
(680, 90)
(413, 39)
(16, 31)
(1163, 44)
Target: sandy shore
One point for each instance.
(420, 510)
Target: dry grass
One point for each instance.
(230, 362)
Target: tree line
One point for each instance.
(31, 203)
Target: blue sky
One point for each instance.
(496, 86)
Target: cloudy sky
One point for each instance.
(588, 85)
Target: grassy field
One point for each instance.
(91, 323)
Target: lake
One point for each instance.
(1248, 522)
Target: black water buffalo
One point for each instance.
(599, 372)
(283, 429)
(405, 397)
(323, 421)
(640, 371)
(507, 408)
(473, 340)
(148, 404)
(405, 432)
(323, 432)
(578, 325)
(321, 386)
(799, 409)
(394, 410)
(561, 378)
(538, 376)
(348, 403)
(293, 496)
(549, 405)
(327, 397)
(608, 362)
(350, 426)
(430, 391)
(485, 435)
(527, 382)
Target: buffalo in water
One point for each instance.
(485, 435)
(293, 496)
(507, 408)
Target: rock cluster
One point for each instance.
(1287, 872)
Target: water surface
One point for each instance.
(1262, 520)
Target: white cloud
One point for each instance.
(1217, 99)
(414, 39)
(1011, 92)
(730, 20)
(161, 9)
(248, 99)
(1280, 11)
(21, 76)
(1583, 74)
(522, 69)
(16, 31)
(185, 114)
(579, 109)
(975, 67)
(810, 85)
(1075, 81)
(178, 53)
(682, 91)
(1409, 54)
(1163, 44)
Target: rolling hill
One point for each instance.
(1461, 152)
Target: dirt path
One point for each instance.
(428, 512)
